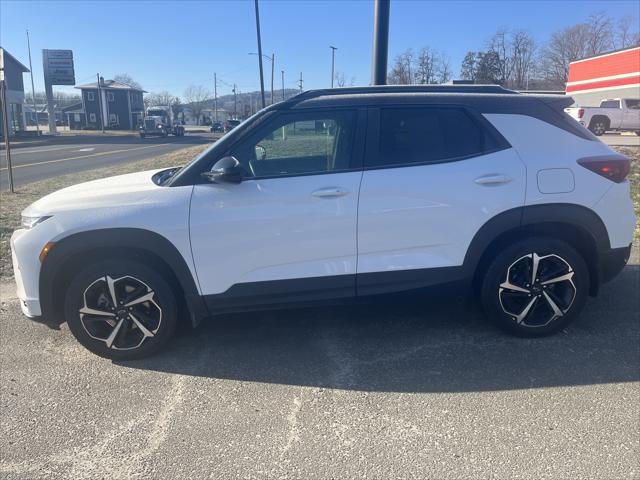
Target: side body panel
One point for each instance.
(425, 216)
(274, 229)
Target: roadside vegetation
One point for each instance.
(11, 205)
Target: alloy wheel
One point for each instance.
(121, 312)
(537, 289)
(598, 128)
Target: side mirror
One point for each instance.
(225, 170)
(261, 152)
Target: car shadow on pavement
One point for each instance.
(438, 343)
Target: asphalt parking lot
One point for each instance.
(424, 390)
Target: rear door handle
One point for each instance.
(330, 192)
(492, 180)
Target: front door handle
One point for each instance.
(489, 180)
(330, 192)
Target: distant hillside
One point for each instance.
(250, 99)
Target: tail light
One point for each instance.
(580, 113)
(612, 167)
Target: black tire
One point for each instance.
(131, 280)
(513, 266)
(599, 126)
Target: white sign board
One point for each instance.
(58, 67)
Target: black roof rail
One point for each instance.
(403, 89)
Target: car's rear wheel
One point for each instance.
(535, 287)
(120, 309)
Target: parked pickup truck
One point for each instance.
(612, 114)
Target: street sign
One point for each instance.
(58, 67)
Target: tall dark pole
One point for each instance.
(273, 65)
(260, 54)
(5, 127)
(282, 85)
(333, 63)
(380, 42)
(33, 89)
(235, 102)
(99, 103)
(215, 94)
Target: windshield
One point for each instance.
(156, 113)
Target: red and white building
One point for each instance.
(609, 75)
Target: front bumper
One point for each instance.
(612, 262)
(26, 270)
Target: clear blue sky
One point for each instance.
(168, 45)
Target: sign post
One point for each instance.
(58, 70)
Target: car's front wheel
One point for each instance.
(535, 287)
(120, 309)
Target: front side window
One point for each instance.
(299, 144)
(428, 135)
(90, 96)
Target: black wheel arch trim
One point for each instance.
(136, 239)
(532, 216)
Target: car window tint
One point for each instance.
(298, 144)
(633, 104)
(423, 135)
(610, 104)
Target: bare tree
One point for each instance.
(195, 96)
(523, 48)
(427, 66)
(564, 47)
(341, 80)
(625, 35)
(502, 54)
(444, 69)
(159, 98)
(128, 79)
(401, 71)
(600, 37)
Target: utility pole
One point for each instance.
(273, 64)
(235, 102)
(5, 127)
(282, 85)
(215, 95)
(260, 53)
(380, 42)
(300, 82)
(33, 89)
(333, 62)
(99, 103)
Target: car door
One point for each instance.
(288, 230)
(433, 175)
(631, 115)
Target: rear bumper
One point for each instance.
(612, 262)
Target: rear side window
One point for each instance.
(428, 135)
(633, 104)
(610, 104)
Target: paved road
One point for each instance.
(64, 155)
(424, 390)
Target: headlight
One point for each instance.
(30, 222)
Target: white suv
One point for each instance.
(339, 194)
